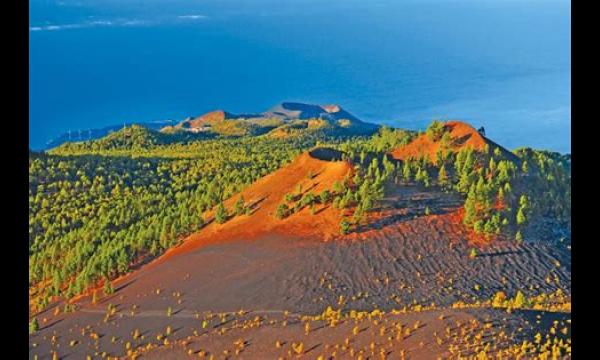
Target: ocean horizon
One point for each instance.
(502, 65)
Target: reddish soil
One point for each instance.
(462, 134)
(265, 195)
(331, 108)
(208, 118)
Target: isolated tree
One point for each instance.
(521, 219)
(108, 288)
(289, 197)
(519, 237)
(282, 211)
(34, 326)
(523, 210)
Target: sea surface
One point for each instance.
(501, 64)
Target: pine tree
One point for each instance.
(524, 202)
(464, 182)
(442, 177)
(478, 226)
(220, 214)
(238, 207)
(108, 288)
(307, 199)
(469, 163)
(492, 167)
(497, 152)
(446, 140)
(325, 196)
(439, 157)
(344, 226)
(435, 130)
(470, 207)
(336, 202)
(519, 237)
(358, 214)
(282, 211)
(425, 179)
(337, 187)
(500, 198)
(406, 172)
(521, 219)
(523, 210)
(34, 326)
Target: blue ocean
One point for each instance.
(500, 64)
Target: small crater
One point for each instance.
(326, 154)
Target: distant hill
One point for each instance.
(290, 111)
(135, 137)
(93, 134)
(285, 119)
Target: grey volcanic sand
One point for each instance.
(303, 276)
(399, 261)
